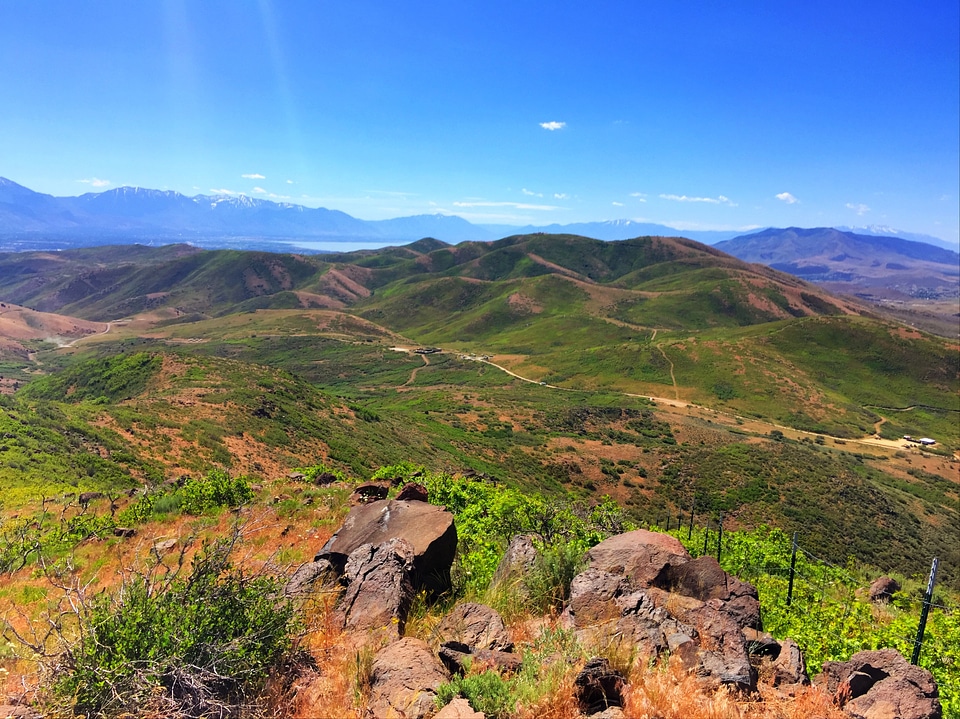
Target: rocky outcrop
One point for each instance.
(476, 625)
(379, 591)
(641, 588)
(404, 680)
(429, 530)
(881, 684)
(883, 589)
(703, 579)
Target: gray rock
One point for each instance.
(789, 667)
(476, 625)
(379, 591)
(519, 559)
(703, 579)
(404, 680)
(308, 575)
(428, 528)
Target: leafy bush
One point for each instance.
(488, 693)
(217, 489)
(195, 646)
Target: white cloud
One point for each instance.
(639, 196)
(561, 196)
(553, 125)
(289, 182)
(616, 204)
(718, 200)
(515, 205)
(96, 182)
(531, 193)
(860, 208)
(259, 191)
(224, 192)
(254, 176)
(787, 197)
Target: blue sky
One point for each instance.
(697, 115)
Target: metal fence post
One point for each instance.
(693, 508)
(927, 599)
(719, 538)
(706, 535)
(793, 569)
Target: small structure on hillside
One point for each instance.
(427, 350)
(925, 441)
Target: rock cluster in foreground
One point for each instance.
(640, 594)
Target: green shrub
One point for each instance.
(217, 489)
(196, 645)
(488, 693)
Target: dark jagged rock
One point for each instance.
(476, 625)
(883, 589)
(379, 591)
(599, 686)
(412, 492)
(307, 576)
(703, 578)
(404, 680)
(457, 657)
(428, 528)
(881, 683)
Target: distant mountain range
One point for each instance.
(854, 263)
(33, 220)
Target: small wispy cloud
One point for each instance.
(787, 197)
(718, 200)
(639, 196)
(224, 192)
(531, 193)
(259, 191)
(859, 208)
(289, 182)
(514, 205)
(553, 125)
(96, 182)
(254, 176)
(561, 196)
(616, 204)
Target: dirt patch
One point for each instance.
(526, 305)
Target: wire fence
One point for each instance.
(806, 584)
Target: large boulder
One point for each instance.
(881, 684)
(639, 555)
(429, 530)
(404, 680)
(476, 625)
(883, 589)
(702, 578)
(379, 591)
(459, 657)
